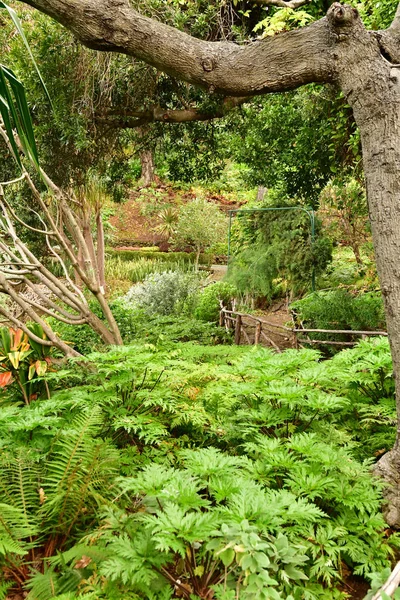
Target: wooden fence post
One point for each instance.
(221, 318)
(238, 328)
(391, 584)
(258, 333)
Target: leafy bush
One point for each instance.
(81, 337)
(338, 309)
(137, 326)
(275, 246)
(212, 298)
(165, 293)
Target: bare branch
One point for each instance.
(20, 221)
(53, 338)
(21, 325)
(13, 180)
(46, 300)
(68, 222)
(52, 314)
(74, 287)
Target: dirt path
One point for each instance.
(218, 272)
(272, 337)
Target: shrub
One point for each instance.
(165, 293)
(338, 309)
(276, 245)
(212, 298)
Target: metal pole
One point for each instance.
(312, 217)
(229, 236)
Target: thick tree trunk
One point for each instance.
(381, 148)
(147, 164)
(374, 95)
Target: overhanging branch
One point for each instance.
(282, 3)
(132, 119)
(273, 64)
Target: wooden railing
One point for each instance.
(294, 337)
(391, 584)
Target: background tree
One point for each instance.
(200, 226)
(273, 251)
(344, 211)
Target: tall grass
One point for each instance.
(136, 270)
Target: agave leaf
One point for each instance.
(19, 111)
(24, 113)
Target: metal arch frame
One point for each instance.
(310, 212)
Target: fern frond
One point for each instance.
(4, 587)
(80, 469)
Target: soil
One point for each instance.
(355, 587)
(135, 220)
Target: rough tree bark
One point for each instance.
(336, 49)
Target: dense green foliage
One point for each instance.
(213, 298)
(179, 465)
(339, 309)
(273, 250)
(198, 468)
(296, 141)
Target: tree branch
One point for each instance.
(132, 119)
(395, 26)
(389, 40)
(282, 3)
(279, 63)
